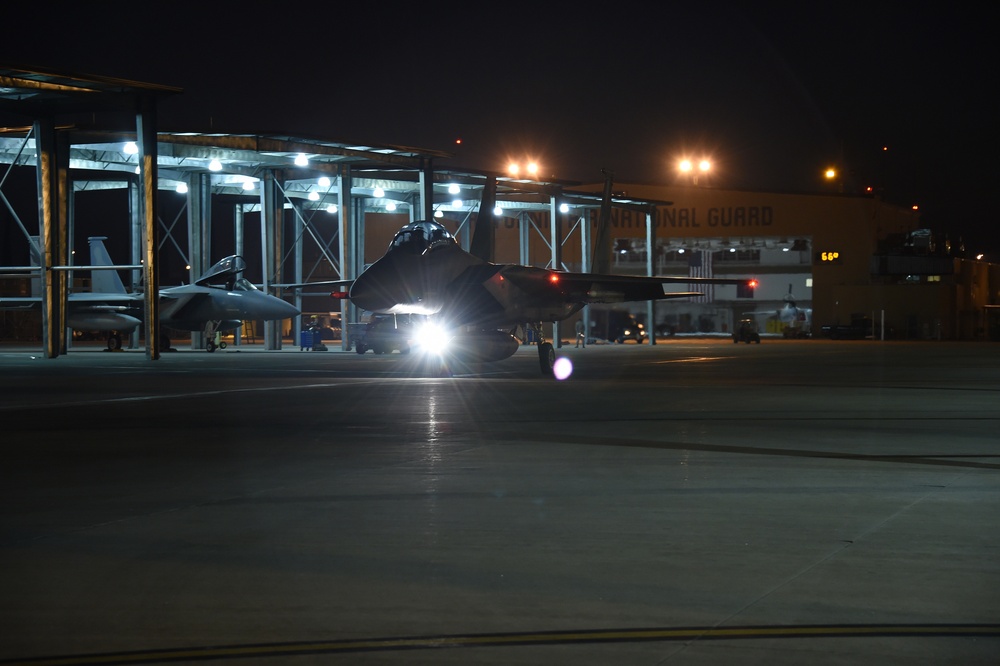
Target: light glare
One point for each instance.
(562, 368)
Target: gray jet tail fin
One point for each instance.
(483, 242)
(103, 282)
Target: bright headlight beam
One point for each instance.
(432, 338)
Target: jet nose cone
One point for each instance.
(368, 293)
(276, 308)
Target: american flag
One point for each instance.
(700, 266)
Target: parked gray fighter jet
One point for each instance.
(218, 301)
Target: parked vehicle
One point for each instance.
(615, 326)
(746, 331)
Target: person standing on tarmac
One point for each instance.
(580, 336)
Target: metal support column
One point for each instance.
(146, 135)
(51, 214)
(555, 233)
(346, 244)
(427, 190)
(585, 242)
(239, 227)
(651, 269)
(135, 246)
(299, 229)
(523, 233)
(271, 224)
(199, 230)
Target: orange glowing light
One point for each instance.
(553, 278)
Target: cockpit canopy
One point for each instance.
(225, 271)
(417, 237)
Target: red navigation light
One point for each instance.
(553, 278)
(340, 295)
(752, 284)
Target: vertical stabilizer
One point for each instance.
(103, 282)
(482, 235)
(601, 261)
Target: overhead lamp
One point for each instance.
(564, 208)
(182, 188)
(332, 209)
(438, 213)
(215, 165)
(248, 184)
(457, 203)
(314, 196)
(131, 148)
(454, 188)
(497, 211)
(378, 192)
(391, 206)
(301, 160)
(324, 182)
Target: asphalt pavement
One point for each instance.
(694, 502)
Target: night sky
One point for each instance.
(772, 92)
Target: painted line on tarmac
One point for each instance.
(191, 394)
(262, 650)
(944, 460)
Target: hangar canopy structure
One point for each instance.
(84, 133)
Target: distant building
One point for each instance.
(838, 258)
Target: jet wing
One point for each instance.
(344, 284)
(602, 288)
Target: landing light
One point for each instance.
(562, 368)
(431, 338)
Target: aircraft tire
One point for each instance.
(546, 358)
(114, 342)
(360, 347)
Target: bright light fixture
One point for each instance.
(314, 196)
(563, 208)
(498, 211)
(432, 338)
(332, 209)
(324, 182)
(454, 188)
(131, 148)
(215, 165)
(248, 184)
(379, 192)
(391, 206)
(301, 160)
(182, 188)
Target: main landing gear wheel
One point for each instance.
(114, 342)
(546, 358)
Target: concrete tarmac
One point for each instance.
(694, 502)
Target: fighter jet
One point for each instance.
(796, 320)
(220, 300)
(480, 306)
